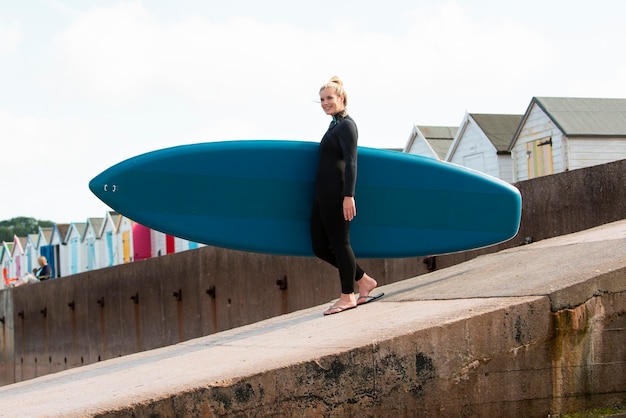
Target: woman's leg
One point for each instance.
(329, 232)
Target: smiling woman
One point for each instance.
(334, 206)
(333, 97)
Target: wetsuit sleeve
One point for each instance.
(348, 137)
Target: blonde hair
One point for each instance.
(42, 260)
(336, 84)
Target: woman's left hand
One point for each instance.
(349, 208)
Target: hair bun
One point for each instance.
(336, 80)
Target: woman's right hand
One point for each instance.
(349, 208)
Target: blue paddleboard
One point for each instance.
(257, 196)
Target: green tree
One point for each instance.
(6, 233)
(21, 226)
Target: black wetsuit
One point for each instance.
(336, 178)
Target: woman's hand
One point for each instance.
(349, 208)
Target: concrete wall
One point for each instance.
(528, 361)
(112, 312)
(94, 316)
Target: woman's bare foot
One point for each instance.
(366, 285)
(345, 301)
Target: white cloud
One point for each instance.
(10, 37)
(109, 52)
(123, 54)
(23, 133)
(446, 52)
(46, 165)
(246, 78)
(62, 8)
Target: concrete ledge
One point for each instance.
(568, 269)
(530, 331)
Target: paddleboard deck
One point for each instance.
(256, 195)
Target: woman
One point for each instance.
(334, 205)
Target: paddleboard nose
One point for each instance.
(104, 186)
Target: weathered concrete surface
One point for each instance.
(530, 331)
(108, 313)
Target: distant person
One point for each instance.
(334, 205)
(44, 272)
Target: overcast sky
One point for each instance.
(86, 84)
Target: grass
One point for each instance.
(606, 411)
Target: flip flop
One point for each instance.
(369, 299)
(337, 309)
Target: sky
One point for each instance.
(86, 84)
